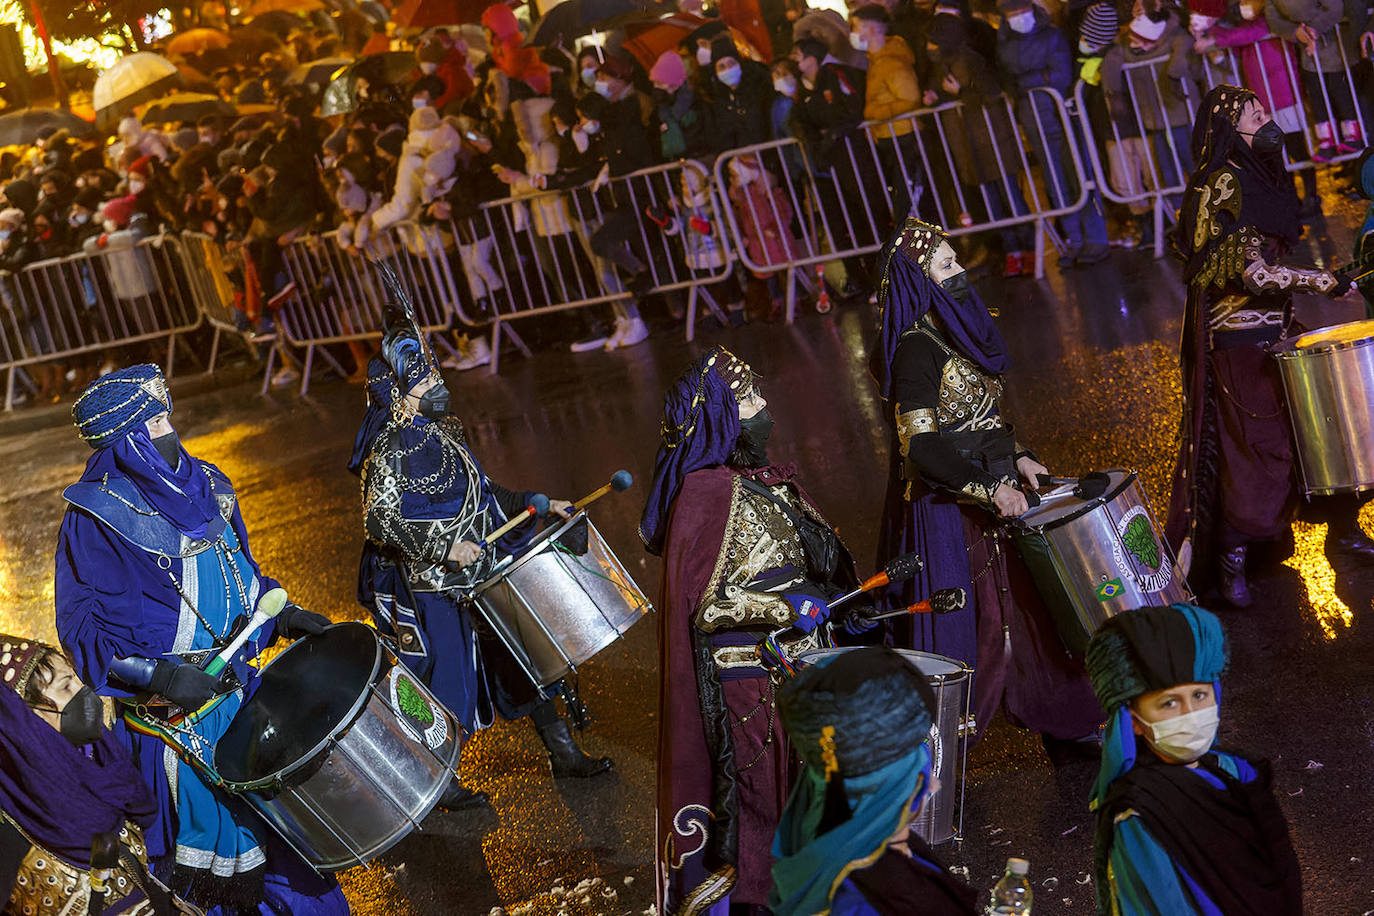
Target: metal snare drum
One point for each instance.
(1091, 559)
(555, 609)
(952, 683)
(341, 749)
(1328, 377)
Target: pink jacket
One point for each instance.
(1271, 58)
(767, 232)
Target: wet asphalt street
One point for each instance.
(1094, 386)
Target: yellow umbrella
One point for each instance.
(196, 41)
(289, 6)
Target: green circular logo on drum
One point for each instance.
(420, 717)
(1138, 553)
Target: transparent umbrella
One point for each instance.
(131, 81)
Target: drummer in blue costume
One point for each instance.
(427, 506)
(153, 576)
(1182, 827)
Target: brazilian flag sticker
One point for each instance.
(1110, 589)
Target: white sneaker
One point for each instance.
(284, 376)
(476, 353)
(595, 342)
(617, 335)
(634, 331)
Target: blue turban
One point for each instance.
(382, 392)
(700, 428)
(1149, 648)
(114, 404)
(860, 721)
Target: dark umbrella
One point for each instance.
(278, 22)
(386, 69)
(20, 128)
(187, 107)
(317, 72)
(572, 18)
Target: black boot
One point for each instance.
(1234, 588)
(1346, 538)
(458, 796)
(566, 757)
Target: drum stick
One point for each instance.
(898, 569)
(944, 601)
(539, 504)
(269, 606)
(620, 481)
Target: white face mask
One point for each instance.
(1021, 22)
(1248, 12)
(80, 219)
(591, 128)
(1086, 49)
(785, 85)
(1187, 737)
(589, 77)
(858, 42)
(730, 75)
(603, 89)
(428, 67)
(704, 56)
(135, 186)
(417, 104)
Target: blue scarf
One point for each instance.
(810, 868)
(906, 294)
(183, 496)
(700, 428)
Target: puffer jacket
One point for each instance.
(1168, 73)
(891, 90)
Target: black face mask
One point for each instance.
(434, 402)
(751, 448)
(82, 718)
(957, 286)
(169, 447)
(1268, 140)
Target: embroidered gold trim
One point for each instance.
(915, 423)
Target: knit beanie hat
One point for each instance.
(1100, 24)
(669, 69)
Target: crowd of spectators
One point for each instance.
(460, 126)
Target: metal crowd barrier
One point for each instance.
(208, 273)
(1147, 160)
(129, 292)
(969, 169)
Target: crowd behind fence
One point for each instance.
(781, 211)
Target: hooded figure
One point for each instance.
(1182, 828)
(860, 722)
(153, 571)
(749, 563)
(64, 778)
(427, 510)
(956, 464)
(1234, 478)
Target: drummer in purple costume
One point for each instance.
(1234, 481)
(153, 573)
(735, 571)
(427, 505)
(938, 360)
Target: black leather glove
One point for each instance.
(185, 685)
(295, 621)
(1343, 284)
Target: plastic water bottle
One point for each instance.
(1011, 896)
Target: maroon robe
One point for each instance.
(723, 761)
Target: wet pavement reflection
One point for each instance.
(1095, 385)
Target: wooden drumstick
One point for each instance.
(269, 606)
(620, 481)
(539, 504)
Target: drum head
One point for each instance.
(1334, 336)
(305, 696)
(928, 663)
(1064, 508)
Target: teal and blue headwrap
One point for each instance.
(114, 404)
(1149, 648)
(860, 721)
